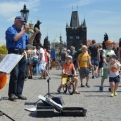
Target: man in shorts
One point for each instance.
(95, 58)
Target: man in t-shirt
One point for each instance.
(95, 57)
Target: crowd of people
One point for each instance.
(38, 61)
(102, 62)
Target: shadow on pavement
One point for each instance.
(99, 86)
(60, 93)
(97, 96)
(29, 103)
(95, 91)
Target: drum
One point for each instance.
(3, 79)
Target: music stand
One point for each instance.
(6, 66)
(48, 93)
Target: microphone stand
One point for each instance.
(48, 81)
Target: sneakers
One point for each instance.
(101, 88)
(93, 77)
(115, 93)
(22, 97)
(96, 75)
(112, 94)
(12, 98)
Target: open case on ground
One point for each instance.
(62, 111)
(44, 111)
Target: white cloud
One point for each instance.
(81, 3)
(10, 8)
(11, 19)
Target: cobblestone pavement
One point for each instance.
(100, 107)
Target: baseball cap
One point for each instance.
(20, 18)
(68, 56)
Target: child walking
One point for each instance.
(106, 54)
(83, 65)
(113, 72)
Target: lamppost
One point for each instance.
(25, 13)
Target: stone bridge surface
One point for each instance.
(100, 106)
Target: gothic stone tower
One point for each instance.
(76, 33)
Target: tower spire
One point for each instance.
(84, 23)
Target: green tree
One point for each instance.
(3, 49)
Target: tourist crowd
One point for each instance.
(101, 61)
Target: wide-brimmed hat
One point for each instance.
(20, 18)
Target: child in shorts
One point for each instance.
(67, 70)
(113, 73)
(106, 54)
(83, 65)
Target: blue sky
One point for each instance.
(101, 16)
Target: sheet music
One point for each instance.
(9, 62)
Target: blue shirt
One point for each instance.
(21, 43)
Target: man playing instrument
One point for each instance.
(16, 41)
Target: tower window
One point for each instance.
(71, 37)
(77, 37)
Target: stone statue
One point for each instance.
(46, 43)
(105, 39)
(38, 36)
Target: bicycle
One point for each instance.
(69, 85)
